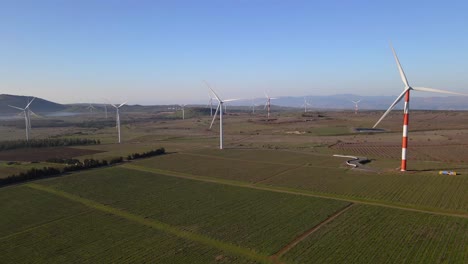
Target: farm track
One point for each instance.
(155, 224)
(291, 191)
(279, 173)
(309, 232)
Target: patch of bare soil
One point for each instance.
(43, 154)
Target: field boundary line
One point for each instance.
(309, 232)
(289, 191)
(153, 223)
(280, 173)
(234, 159)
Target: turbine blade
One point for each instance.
(30, 102)
(230, 100)
(122, 104)
(266, 95)
(392, 106)
(214, 116)
(214, 93)
(22, 109)
(432, 90)
(402, 73)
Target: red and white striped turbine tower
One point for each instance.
(268, 104)
(406, 94)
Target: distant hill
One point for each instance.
(38, 106)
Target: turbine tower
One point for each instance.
(105, 110)
(183, 111)
(118, 117)
(27, 116)
(406, 94)
(356, 106)
(220, 108)
(268, 104)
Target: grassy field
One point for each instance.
(321, 174)
(37, 227)
(367, 234)
(260, 220)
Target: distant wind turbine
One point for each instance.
(210, 103)
(118, 117)
(406, 94)
(356, 106)
(220, 109)
(90, 108)
(305, 105)
(27, 116)
(268, 104)
(183, 111)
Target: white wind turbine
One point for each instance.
(90, 108)
(406, 94)
(305, 105)
(183, 111)
(220, 108)
(253, 106)
(268, 104)
(210, 103)
(105, 110)
(118, 117)
(27, 116)
(356, 106)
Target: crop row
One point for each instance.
(367, 234)
(426, 190)
(83, 235)
(260, 220)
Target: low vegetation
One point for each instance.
(369, 234)
(47, 142)
(72, 165)
(261, 220)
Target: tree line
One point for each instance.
(47, 142)
(73, 165)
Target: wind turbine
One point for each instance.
(253, 106)
(105, 110)
(305, 105)
(268, 104)
(118, 117)
(356, 106)
(91, 108)
(406, 94)
(220, 108)
(210, 103)
(27, 116)
(183, 111)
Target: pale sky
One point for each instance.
(154, 52)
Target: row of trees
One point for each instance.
(47, 142)
(147, 154)
(73, 165)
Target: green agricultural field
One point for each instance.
(368, 234)
(38, 227)
(322, 175)
(421, 190)
(260, 220)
